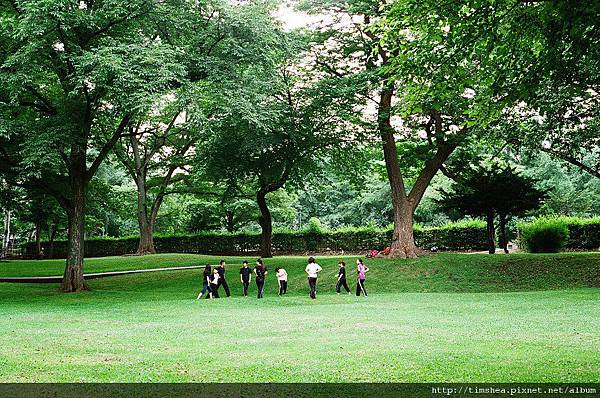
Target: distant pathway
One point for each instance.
(58, 279)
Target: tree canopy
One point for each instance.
(181, 116)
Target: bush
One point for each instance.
(314, 225)
(315, 238)
(584, 233)
(463, 235)
(545, 235)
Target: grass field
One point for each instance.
(445, 317)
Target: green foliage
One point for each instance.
(464, 235)
(571, 191)
(583, 233)
(337, 202)
(275, 126)
(468, 235)
(314, 226)
(544, 235)
(492, 188)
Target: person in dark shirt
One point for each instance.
(341, 279)
(206, 276)
(261, 273)
(222, 281)
(245, 277)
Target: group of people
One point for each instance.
(213, 279)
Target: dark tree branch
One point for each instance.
(573, 161)
(448, 173)
(329, 68)
(46, 106)
(107, 148)
(431, 167)
(120, 153)
(112, 24)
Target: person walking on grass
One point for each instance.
(282, 280)
(214, 284)
(312, 269)
(206, 275)
(361, 270)
(245, 277)
(222, 281)
(341, 278)
(261, 273)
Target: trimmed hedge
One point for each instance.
(584, 233)
(454, 236)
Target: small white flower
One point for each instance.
(468, 93)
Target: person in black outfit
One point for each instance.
(341, 279)
(206, 277)
(222, 281)
(245, 277)
(261, 272)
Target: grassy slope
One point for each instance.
(434, 273)
(148, 328)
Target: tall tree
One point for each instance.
(277, 129)
(559, 100)
(44, 214)
(73, 76)
(220, 40)
(152, 154)
(421, 80)
(491, 191)
(7, 201)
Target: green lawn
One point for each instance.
(445, 317)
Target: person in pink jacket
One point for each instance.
(361, 270)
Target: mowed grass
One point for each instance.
(439, 318)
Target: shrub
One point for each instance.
(584, 233)
(314, 225)
(463, 235)
(315, 238)
(544, 235)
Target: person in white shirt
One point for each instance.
(214, 284)
(282, 279)
(312, 269)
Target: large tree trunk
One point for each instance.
(5, 234)
(146, 244)
(38, 240)
(266, 224)
(403, 242)
(502, 227)
(146, 225)
(490, 232)
(53, 232)
(73, 277)
(229, 221)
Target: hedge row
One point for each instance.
(584, 233)
(457, 236)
